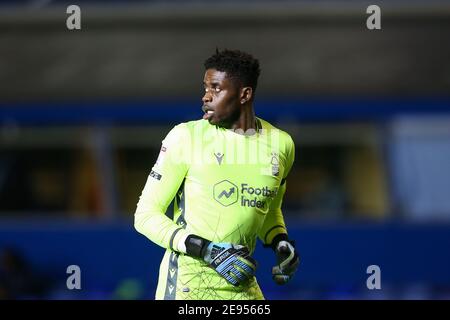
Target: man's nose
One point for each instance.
(206, 97)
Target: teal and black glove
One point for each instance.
(232, 262)
(287, 260)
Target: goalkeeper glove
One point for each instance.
(287, 259)
(232, 262)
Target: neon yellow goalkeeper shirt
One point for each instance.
(226, 187)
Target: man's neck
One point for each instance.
(246, 121)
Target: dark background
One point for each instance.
(83, 113)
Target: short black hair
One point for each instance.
(237, 64)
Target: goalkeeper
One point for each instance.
(226, 175)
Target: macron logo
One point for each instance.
(226, 194)
(219, 157)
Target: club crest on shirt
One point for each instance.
(275, 162)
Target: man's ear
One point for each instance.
(246, 94)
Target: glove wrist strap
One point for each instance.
(196, 246)
(279, 237)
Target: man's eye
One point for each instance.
(215, 89)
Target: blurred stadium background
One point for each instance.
(82, 115)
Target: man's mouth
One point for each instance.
(208, 114)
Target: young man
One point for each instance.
(227, 176)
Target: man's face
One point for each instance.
(221, 99)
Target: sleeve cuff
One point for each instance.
(179, 241)
(274, 231)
